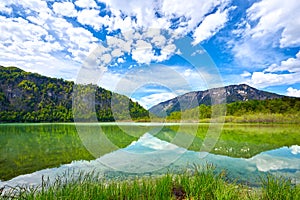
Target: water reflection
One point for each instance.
(149, 152)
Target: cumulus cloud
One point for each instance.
(290, 65)
(65, 9)
(188, 16)
(44, 41)
(293, 92)
(262, 79)
(287, 72)
(48, 29)
(86, 3)
(92, 18)
(142, 52)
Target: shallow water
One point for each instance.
(245, 152)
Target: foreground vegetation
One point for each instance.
(201, 183)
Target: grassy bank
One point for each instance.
(284, 110)
(261, 118)
(265, 118)
(202, 183)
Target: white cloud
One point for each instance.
(187, 72)
(65, 9)
(154, 143)
(38, 6)
(293, 92)
(92, 18)
(262, 80)
(245, 74)
(140, 45)
(166, 51)
(268, 25)
(42, 42)
(117, 43)
(143, 52)
(153, 99)
(120, 60)
(125, 25)
(158, 40)
(290, 65)
(76, 40)
(117, 53)
(272, 75)
(19, 30)
(144, 11)
(274, 16)
(295, 149)
(44, 64)
(191, 13)
(276, 160)
(210, 26)
(4, 8)
(86, 3)
(265, 162)
(252, 53)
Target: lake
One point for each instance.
(119, 150)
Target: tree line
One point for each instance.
(286, 106)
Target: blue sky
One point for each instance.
(154, 50)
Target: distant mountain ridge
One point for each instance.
(30, 97)
(228, 94)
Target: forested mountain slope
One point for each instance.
(232, 93)
(30, 97)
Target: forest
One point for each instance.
(30, 97)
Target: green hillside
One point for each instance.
(30, 97)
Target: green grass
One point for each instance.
(279, 188)
(201, 183)
(265, 118)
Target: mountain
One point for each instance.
(228, 94)
(30, 97)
